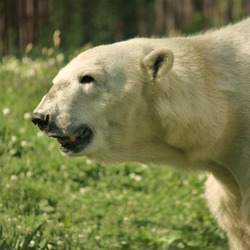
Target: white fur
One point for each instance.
(183, 102)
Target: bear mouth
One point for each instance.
(74, 143)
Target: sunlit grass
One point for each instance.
(48, 201)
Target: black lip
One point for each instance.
(83, 136)
(81, 142)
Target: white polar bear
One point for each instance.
(183, 101)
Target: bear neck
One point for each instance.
(192, 110)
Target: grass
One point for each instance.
(48, 201)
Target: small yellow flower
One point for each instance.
(56, 38)
(29, 48)
(50, 51)
(45, 51)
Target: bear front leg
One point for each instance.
(245, 208)
(242, 176)
(225, 203)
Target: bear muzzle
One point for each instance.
(72, 142)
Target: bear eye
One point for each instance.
(86, 79)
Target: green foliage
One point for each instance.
(48, 201)
(98, 22)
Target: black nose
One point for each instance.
(40, 119)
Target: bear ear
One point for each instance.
(158, 62)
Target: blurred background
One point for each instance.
(79, 22)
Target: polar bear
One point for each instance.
(183, 102)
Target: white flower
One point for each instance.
(60, 57)
(6, 111)
(51, 62)
(30, 73)
(51, 145)
(14, 177)
(24, 144)
(28, 174)
(29, 48)
(26, 60)
(32, 243)
(21, 130)
(89, 162)
(125, 218)
(135, 177)
(144, 166)
(59, 242)
(50, 51)
(27, 116)
(49, 246)
(13, 138)
(39, 134)
(97, 237)
(84, 190)
(44, 50)
(12, 151)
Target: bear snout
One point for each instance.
(46, 124)
(40, 119)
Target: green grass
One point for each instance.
(48, 201)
